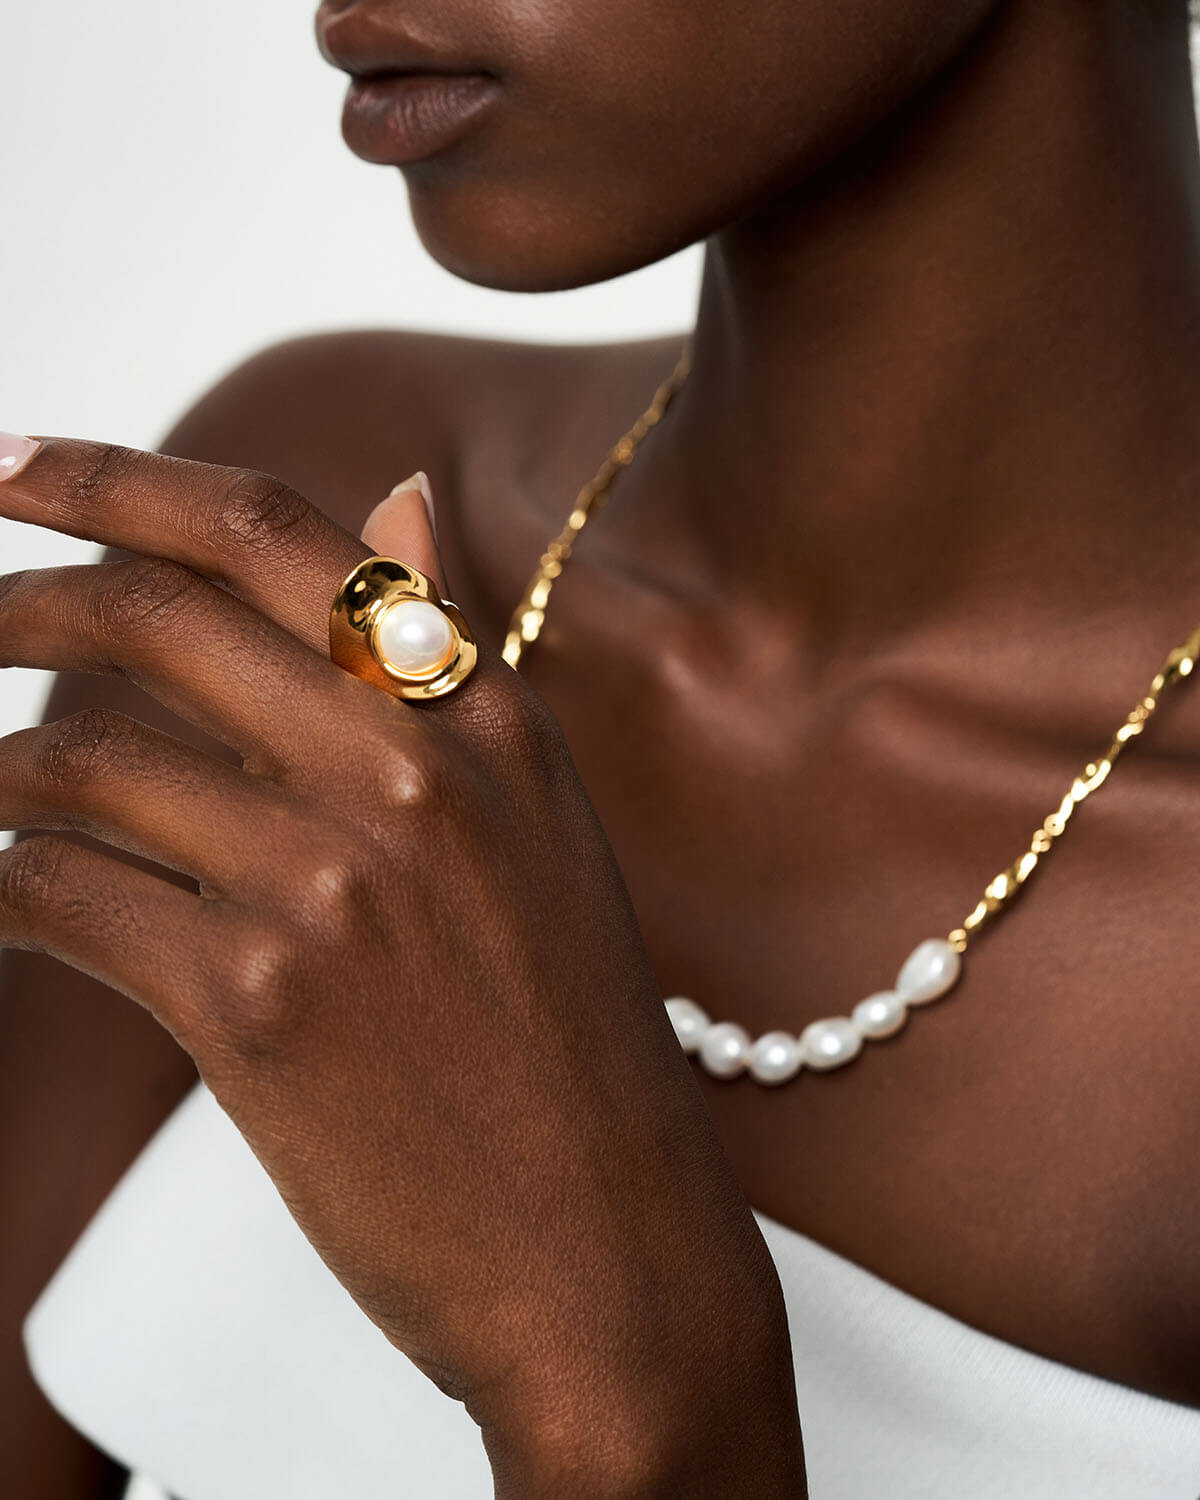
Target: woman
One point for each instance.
(910, 541)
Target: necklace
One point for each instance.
(724, 1048)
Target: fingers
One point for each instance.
(403, 526)
(102, 773)
(251, 532)
(208, 657)
(124, 927)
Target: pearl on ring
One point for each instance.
(413, 638)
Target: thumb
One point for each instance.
(402, 526)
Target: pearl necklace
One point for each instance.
(932, 969)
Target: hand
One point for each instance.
(409, 971)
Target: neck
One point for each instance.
(956, 375)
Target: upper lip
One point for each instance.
(361, 42)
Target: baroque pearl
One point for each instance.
(830, 1043)
(929, 971)
(879, 1015)
(415, 638)
(689, 1020)
(725, 1049)
(775, 1057)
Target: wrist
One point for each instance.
(703, 1418)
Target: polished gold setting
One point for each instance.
(374, 588)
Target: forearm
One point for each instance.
(85, 1079)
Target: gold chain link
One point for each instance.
(530, 614)
(1004, 888)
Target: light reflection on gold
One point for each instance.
(527, 619)
(1006, 886)
(372, 588)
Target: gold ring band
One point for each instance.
(389, 626)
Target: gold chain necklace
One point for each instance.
(724, 1048)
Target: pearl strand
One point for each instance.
(726, 1049)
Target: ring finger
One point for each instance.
(138, 789)
(125, 927)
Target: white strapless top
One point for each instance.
(195, 1335)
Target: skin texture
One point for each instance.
(933, 461)
(588, 166)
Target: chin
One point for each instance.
(512, 243)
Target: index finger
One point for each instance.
(253, 533)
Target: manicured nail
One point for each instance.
(15, 453)
(420, 482)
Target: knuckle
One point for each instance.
(147, 592)
(107, 466)
(410, 779)
(29, 873)
(258, 510)
(14, 583)
(333, 886)
(81, 748)
(259, 993)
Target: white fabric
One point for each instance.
(195, 1335)
(141, 1488)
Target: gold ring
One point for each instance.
(389, 627)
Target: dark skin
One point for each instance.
(952, 527)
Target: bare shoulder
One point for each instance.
(506, 432)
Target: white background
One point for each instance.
(176, 195)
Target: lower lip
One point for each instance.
(409, 117)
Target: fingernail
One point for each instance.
(15, 453)
(420, 482)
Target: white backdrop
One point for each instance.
(175, 193)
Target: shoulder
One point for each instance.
(506, 431)
(337, 415)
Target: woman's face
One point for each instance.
(566, 141)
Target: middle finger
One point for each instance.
(204, 654)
